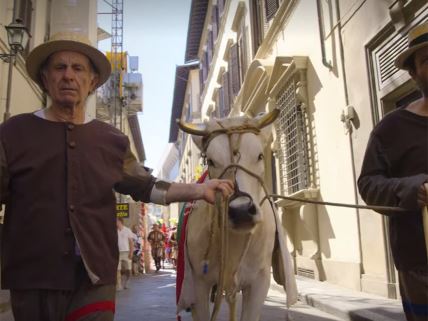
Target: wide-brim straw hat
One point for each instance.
(417, 39)
(67, 41)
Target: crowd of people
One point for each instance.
(163, 243)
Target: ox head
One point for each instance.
(236, 141)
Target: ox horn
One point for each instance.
(193, 129)
(267, 118)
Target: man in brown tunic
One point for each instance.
(395, 173)
(58, 174)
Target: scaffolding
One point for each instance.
(117, 61)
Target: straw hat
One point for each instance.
(67, 41)
(417, 39)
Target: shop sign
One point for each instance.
(122, 210)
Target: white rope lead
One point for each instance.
(368, 207)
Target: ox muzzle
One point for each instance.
(242, 210)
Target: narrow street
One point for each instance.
(152, 298)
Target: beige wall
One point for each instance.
(369, 22)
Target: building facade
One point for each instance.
(328, 66)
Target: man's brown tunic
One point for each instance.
(59, 181)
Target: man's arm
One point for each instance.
(142, 186)
(180, 192)
(377, 188)
(131, 247)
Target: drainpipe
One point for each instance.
(322, 36)
(348, 117)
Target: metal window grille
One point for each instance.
(292, 135)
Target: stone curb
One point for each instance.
(346, 304)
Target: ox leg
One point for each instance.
(231, 301)
(201, 311)
(253, 298)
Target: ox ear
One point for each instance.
(198, 141)
(266, 119)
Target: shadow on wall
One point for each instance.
(303, 228)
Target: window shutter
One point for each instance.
(243, 51)
(215, 22)
(234, 69)
(201, 78)
(256, 25)
(220, 104)
(271, 7)
(226, 95)
(210, 47)
(203, 71)
(220, 4)
(205, 66)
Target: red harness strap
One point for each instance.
(91, 308)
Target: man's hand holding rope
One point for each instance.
(181, 192)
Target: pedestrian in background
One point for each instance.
(138, 249)
(125, 239)
(58, 173)
(395, 173)
(173, 241)
(156, 239)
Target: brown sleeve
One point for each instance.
(136, 182)
(376, 187)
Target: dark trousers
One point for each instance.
(87, 302)
(414, 293)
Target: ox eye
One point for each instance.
(210, 162)
(261, 156)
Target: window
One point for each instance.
(292, 138)
(257, 28)
(203, 70)
(210, 48)
(220, 4)
(243, 51)
(234, 71)
(215, 22)
(224, 97)
(389, 84)
(271, 7)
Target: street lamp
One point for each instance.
(17, 37)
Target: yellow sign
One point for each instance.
(122, 209)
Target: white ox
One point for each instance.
(251, 230)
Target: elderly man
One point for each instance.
(58, 171)
(395, 173)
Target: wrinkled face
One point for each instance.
(244, 210)
(420, 74)
(68, 78)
